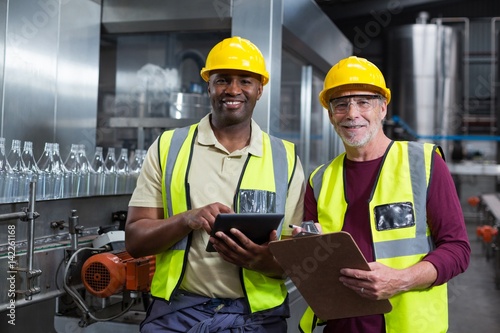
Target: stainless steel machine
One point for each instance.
(426, 76)
(72, 73)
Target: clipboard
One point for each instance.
(313, 264)
(256, 226)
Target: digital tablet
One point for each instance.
(256, 226)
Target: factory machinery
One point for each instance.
(75, 270)
(73, 274)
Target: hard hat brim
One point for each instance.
(205, 73)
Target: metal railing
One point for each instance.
(27, 215)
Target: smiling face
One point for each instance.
(233, 95)
(356, 127)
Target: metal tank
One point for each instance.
(424, 73)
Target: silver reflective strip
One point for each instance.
(419, 184)
(280, 165)
(402, 247)
(421, 243)
(178, 139)
(317, 180)
(180, 245)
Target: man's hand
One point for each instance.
(147, 232)
(247, 254)
(204, 217)
(383, 282)
(297, 230)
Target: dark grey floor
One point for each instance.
(474, 302)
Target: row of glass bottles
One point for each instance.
(75, 177)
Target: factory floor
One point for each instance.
(474, 302)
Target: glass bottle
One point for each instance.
(72, 173)
(86, 172)
(99, 173)
(4, 171)
(122, 171)
(32, 170)
(45, 188)
(16, 181)
(110, 171)
(143, 156)
(59, 172)
(28, 156)
(134, 170)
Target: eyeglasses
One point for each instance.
(363, 103)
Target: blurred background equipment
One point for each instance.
(86, 86)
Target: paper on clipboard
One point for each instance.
(313, 264)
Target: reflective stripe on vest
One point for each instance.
(179, 137)
(419, 175)
(276, 182)
(421, 243)
(273, 172)
(406, 168)
(280, 167)
(317, 179)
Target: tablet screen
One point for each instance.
(256, 226)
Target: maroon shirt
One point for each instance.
(444, 216)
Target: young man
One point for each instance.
(397, 200)
(223, 164)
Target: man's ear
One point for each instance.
(330, 115)
(383, 110)
(260, 91)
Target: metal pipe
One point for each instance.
(12, 216)
(73, 232)
(28, 215)
(31, 225)
(305, 113)
(397, 120)
(466, 53)
(493, 65)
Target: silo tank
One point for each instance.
(424, 73)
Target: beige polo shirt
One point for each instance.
(213, 176)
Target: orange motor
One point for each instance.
(108, 273)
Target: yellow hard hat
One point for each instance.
(353, 73)
(236, 53)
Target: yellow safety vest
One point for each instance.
(269, 174)
(405, 175)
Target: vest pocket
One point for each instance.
(394, 216)
(257, 201)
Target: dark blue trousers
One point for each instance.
(197, 314)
